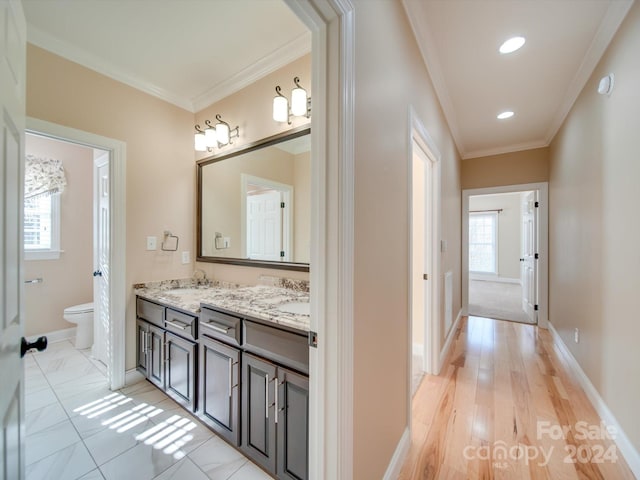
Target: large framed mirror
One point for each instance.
(254, 203)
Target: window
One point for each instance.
(483, 239)
(42, 227)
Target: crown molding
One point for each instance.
(78, 55)
(506, 149)
(611, 21)
(277, 59)
(428, 51)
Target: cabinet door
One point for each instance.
(155, 356)
(141, 350)
(219, 404)
(293, 425)
(258, 415)
(180, 370)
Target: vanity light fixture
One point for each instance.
(217, 135)
(300, 104)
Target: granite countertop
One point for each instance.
(261, 301)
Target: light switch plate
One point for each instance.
(152, 243)
(185, 257)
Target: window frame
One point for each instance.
(495, 217)
(53, 252)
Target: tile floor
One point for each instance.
(76, 428)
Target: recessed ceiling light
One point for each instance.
(503, 115)
(511, 45)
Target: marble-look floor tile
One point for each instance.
(99, 416)
(34, 380)
(217, 459)
(117, 438)
(250, 472)
(50, 440)
(143, 462)
(37, 400)
(185, 469)
(44, 417)
(94, 475)
(89, 381)
(82, 400)
(69, 463)
(69, 369)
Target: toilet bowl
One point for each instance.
(82, 315)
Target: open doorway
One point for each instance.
(504, 253)
(101, 233)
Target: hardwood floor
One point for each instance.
(498, 408)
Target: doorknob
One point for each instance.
(40, 344)
(522, 259)
(97, 273)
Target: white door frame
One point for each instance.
(117, 185)
(542, 289)
(331, 23)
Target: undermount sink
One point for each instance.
(297, 308)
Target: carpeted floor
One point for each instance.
(502, 301)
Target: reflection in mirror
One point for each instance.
(254, 204)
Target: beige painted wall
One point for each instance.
(526, 166)
(251, 109)
(509, 227)
(160, 165)
(594, 229)
(67, 281)
(390, 77)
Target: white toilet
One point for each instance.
(82, 315)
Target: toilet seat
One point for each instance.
(82, 308)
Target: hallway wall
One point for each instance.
(595, 232)
(525, 166)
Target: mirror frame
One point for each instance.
(250, 147)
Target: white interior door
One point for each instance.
(12, 124)
(264, 226)
(528, 270)
(101, 257)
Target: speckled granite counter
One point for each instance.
(261, 302)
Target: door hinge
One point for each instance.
(425, 276)
(536, 256)
(537, 204)
(535, 307)
(282, 253)
(281, 204)
(313, 339)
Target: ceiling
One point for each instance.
(191, 53)
(459, 41)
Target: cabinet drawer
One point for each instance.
(151, 312)
(181, 324)
(221, 326)
(283, 347)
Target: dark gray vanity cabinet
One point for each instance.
(150, 354)
(180, 370)
(219, 403)
(293, 426)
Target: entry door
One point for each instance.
(101, 259)
(264, 226)
(528, 271)
(12, 123)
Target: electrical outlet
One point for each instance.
(576, 335)
(152, 243)
(185, 258)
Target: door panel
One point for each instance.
(101, 259)
(293, 426)
(142, 329)
(12, 122)
(529, 249)
(155, 356)
(258, 396)
(180, 371)
(219, 398)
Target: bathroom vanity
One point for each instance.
(239, 359)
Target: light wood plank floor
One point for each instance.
(498, 408)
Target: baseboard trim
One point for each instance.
(497, 279)
(393, 470)
(449, 340)
(630, 454)
(56, 335)
(132, 376)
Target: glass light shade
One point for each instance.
(222, 133)
(280, 109)
(200, 142)
(299, 102)
(210, 137)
